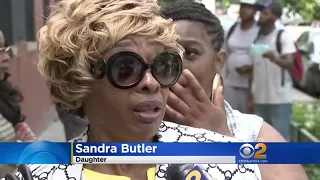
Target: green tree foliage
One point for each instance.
(308, 9)
(308, 115)
(316, 15)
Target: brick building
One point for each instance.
(20, 21)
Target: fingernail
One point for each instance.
(217, 76)
(216, 81)
(221, 88)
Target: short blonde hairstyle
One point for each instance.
(78, 32)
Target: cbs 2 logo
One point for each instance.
(194, 175)
(197, 173)
(247, 151)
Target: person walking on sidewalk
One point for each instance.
(238, 43)
(272, 84)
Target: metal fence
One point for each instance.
(299, 134)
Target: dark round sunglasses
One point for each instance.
(6, 50)
(126, 69)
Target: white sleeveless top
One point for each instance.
(245, 127)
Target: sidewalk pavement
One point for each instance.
(55, 132)
(301, 97)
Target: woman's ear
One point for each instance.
(220, 58)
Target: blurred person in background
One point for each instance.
(201, 35)
(271, 80)
(278, 23)
(238, 65)
(12, 124)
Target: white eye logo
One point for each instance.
(246, 151)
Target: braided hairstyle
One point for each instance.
(194, 11)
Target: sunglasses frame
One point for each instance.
(103, 68)
(5, 49)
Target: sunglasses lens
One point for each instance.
(167, 68)
(6, 50)
(126, 70)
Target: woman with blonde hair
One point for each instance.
(113, 62)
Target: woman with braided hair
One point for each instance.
(202, 37)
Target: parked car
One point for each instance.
(309, 45)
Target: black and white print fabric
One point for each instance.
(168, 132)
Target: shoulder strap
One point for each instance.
(257, 37)
(279, 49)
(278, 41)
(231, 30)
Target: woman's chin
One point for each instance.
(145, 132)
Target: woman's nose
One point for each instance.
(148, 84)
